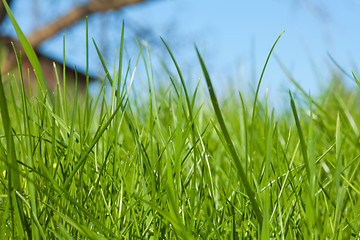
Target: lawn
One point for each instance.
(178, 163)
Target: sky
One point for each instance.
(234, 38)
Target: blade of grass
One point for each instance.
(29, 147)
(261, 77)
(292, 79)
(81, 228)
(245, 130)
(311, 211)
(30, 53)
(121, 54)
(64, 105)
(265, 234)
(339, 191)
(301, 136)
(169, 217)
(19, 223)
(39, 230)
(101, 129)
(103, 63)
(190, 118)
(339, 67)
(356, 80)
(70, 147)
(229, 143)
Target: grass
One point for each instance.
(176, 165)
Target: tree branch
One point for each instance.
(73, 16)
(76, 14)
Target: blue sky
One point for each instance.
(234, 37)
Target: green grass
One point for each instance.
(177, 164)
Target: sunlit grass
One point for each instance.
(173, 165)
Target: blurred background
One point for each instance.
(234, 37)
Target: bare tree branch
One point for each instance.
(3, 11)
(76, 14)
(73, 16)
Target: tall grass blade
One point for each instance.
(339, 191)
(27, 48)
(230, 145)
(189, 117)
(356, 80)
(103, 64)
(301, 136)
(70, 148)
(311, 211)
(20, 226)
(339, 67)
(261, 77)
(29, 147)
